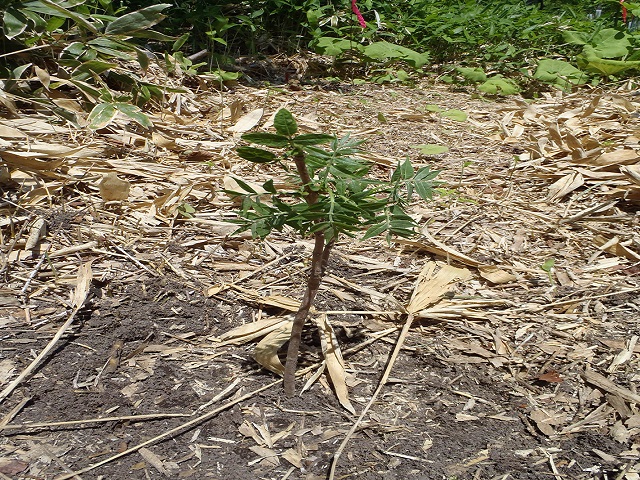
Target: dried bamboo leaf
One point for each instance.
(293, 457)
(266, 352)
(617, 157)
(281, 301)
(29, 161)
(10, 132)
(37, 231)
(164, 142)
(624, 355)
(334, 362)
(85, 275)
(431, 288)
(249, 331)
(604, 383)
(496, 275)
(113, 188)
(564, 186)
(248, 121)
(632, 172)
(614, 247)
(153, 460)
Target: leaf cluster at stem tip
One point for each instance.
(330, 190)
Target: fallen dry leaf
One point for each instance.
(334, 362)
(266, 351)
(113, 188)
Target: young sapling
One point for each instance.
(330, 195)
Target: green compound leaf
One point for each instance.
(267, 139)
(386, 50)
(376, 230)
(256, 155)
(284, 123)
(308, 139)
(335, 46)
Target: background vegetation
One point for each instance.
(83, 50)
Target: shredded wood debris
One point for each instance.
(529, 258)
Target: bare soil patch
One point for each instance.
(518, 372)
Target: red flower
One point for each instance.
(355, 9)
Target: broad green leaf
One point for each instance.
(111, 44)
(548, 265)
(424, 190)
(308, 139)
(284, 123)
(575, 38)
(457, 115)
(54, 23)
(431, 149)
(152, 35)
(499, 86)
(335, 47)
(89, 91)
(256, 155)
(143, 59)
(403, 76)
(244, 185)
(382, 118)
(610, 43)
(134, 113)
(101, 116)
(475, 74)
(267, 139)
(433, 108)
(589, 61)
(17, 72)
(14, 22)
(138, 20)
(269, 187)
(73, 51)
(221, 76)
(559, 73)
(386, 50)
(38, 22)
(425, 174)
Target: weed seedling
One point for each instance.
(331, 195)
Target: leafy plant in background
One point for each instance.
(78, 47)
(607, 52)
(331, 195)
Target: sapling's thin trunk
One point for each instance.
(321, 253)
(319, 260)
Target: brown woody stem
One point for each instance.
(319, 260)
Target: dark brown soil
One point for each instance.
(414, 430)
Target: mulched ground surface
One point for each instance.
(502, 379)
